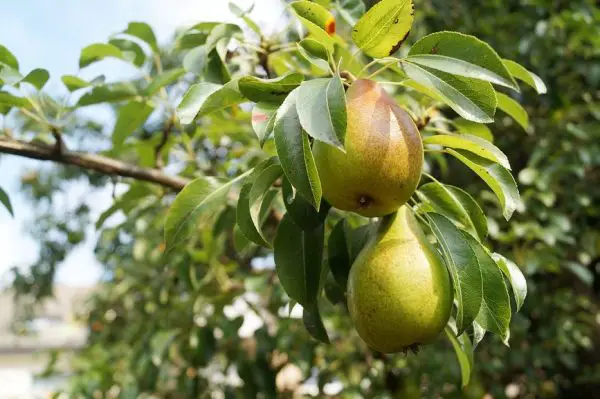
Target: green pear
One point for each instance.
(399, 292)
(381, 166)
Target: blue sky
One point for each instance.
(50, 34)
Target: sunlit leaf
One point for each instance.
(515, 276)
(457, 205)
(8, 58)
(143, 32)
(474, 128)
(473, 144)
(383, 29)
(203, 98)
(498, 178)
(38, 78)
(99, 51)
(463, 55)
(525, 75)
(513, 109)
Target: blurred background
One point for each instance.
(90, 307)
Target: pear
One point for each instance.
(383, 158)
(399, 292)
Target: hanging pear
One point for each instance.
(382, 164)
(399, 292)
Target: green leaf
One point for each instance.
(132, 51)
(250, 202)
(131, 117)
(463, 55)
(219, 32)
(513, 109)
(474, 128)
(159, 344)
(8, 99)
(236, 10)
(478, 334)
(494, 314)
(9, 76)
(108, 93)
(195, 60)
(464, 269)
(515, 276)
(350, 10)
(311, 317)
(316, 14)
(203, 98)
(456, 205)
(99, 51)
(73, 82)
(5, 200)
(263, 120)
(345, 59)
(269, 90)
(526, 76)
(316, 53)
(143, 32)
(298, 257)
(164, 79)
(383, 29)
(343, 246)
(472, 99)
(317, 30)
(474, 144)
(496, 177)
(216, 70)
(38, 78)
(244, 215)
(293, 149)
(300, 210)
(8, 58)
(464, 357)
(225, 222)
(200, 196)
(138, 192)
(321, 106)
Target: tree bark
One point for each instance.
(89, 161)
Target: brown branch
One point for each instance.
(98, 163)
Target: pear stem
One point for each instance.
(348, 76)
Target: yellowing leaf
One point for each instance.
(383, 29)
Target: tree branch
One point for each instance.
(98, 163)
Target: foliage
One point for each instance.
(171, 317)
